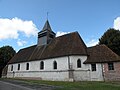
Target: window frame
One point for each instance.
(41, 65)
(93, 67)
(27, 66)
(54, 65)
(78, 63)
(18, 66)
(111, 66)
(11, 67)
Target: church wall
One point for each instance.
(98, 74)
(62, 63)
(89, 75)
(85, 73)
(48, 73)
(44, 75)
(82, 73)
(112, 75)
(73, 62)
(62, 73)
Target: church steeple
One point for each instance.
(47, 26)
(45, 35)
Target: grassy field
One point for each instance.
(79, 85)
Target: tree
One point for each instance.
(6, 53)
(111, 38)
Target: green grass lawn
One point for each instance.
(79, 85)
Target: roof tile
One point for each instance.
(101, 54)
(69, 44)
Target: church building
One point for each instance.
(64, 58)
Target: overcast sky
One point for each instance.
(21, 20)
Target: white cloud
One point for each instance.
(60, 33)
(10, 28)
(117, 23)
(92, 42)
(21, 43)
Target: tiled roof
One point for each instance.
(22, 55)
(101, 54)
(69, 44)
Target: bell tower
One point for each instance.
(46, 35)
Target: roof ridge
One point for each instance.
(28, 47)
(96, 46)
(67, 34)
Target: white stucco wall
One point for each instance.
(61, 73)
(98, 74)
(80, 74)
(48, 73)
(85, 73)
(73, 62)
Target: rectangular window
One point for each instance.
(18, 66)
(110, 66)
(93, 67)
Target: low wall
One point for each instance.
(42, 75)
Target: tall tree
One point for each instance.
(6, 53)
(111, 38)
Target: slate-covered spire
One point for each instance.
(45, 35)
(47, 26)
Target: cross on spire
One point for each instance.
(47, 15)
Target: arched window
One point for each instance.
(11, 67)
(27, 66)
(18, 66)
(41, 65)
(54, 65)
(78, 63)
